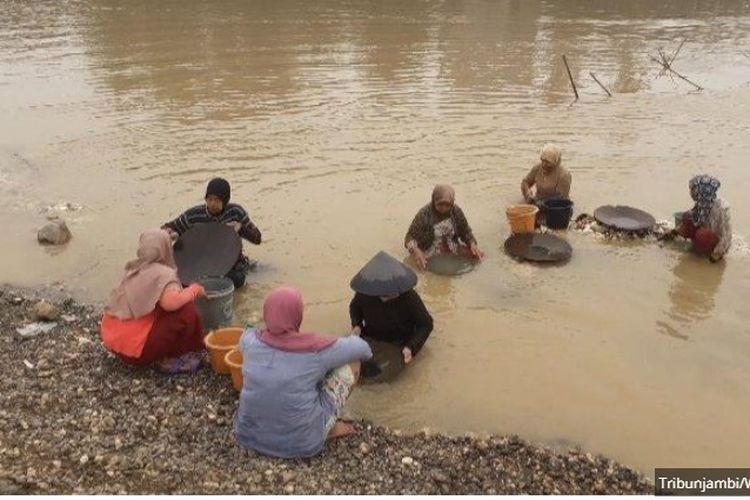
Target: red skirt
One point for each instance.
(704, 240)
(173, 334)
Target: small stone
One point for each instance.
(289, 489)
(481, 445)
(287, 476)
(56, 232)
(44, 311)
(84, 459)
(407, 461)
(56, 464)
(118, 443)
(439, 477)
(364, 448)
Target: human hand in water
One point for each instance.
(421, 259)
(407, 355)
(475, 251)
(172, 234)
(235, 225)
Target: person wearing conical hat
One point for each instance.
(386, 307)
(441, 227)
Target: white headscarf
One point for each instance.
(551, 153)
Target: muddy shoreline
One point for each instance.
(75, 420)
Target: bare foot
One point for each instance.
(341, 429)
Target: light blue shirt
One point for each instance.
(283, 410)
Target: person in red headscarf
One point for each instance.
(295, 383)
(150, 318)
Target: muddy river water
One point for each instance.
(333, 119)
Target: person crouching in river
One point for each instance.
(547, 179)
(386, 307)
(441, 227)
(295, 384)
(150, 318)
(707, 224)
(218, 209)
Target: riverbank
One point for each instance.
(75, 420)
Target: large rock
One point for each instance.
(56, 232)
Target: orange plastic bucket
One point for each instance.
(522, 218)
(233, 359)
(219, 343)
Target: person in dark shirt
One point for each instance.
(386, 308)
(218, 209)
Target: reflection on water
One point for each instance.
(334, 119)
(692, 292)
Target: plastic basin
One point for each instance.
(233, 360)
(219, 343)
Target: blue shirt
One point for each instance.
(283, 410)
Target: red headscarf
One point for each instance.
(282, 313)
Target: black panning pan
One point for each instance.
(207, 249)
(386, 363)
(538, 247)
(624, 218)
(450, 264)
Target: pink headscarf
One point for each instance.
(282, 313)
(145, 277)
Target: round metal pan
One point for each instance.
(208, 249)
(538, 247)
(450, 264)
(386, 363)
(624, 218)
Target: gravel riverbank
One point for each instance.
(75, 420)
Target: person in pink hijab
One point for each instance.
(295, 383)
(150, 318)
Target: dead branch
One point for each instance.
(600, 84)
(668, 68)
(570, 75)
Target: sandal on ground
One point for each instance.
(187, 363)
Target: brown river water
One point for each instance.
(333, 119)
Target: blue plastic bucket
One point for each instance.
(216, 309)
